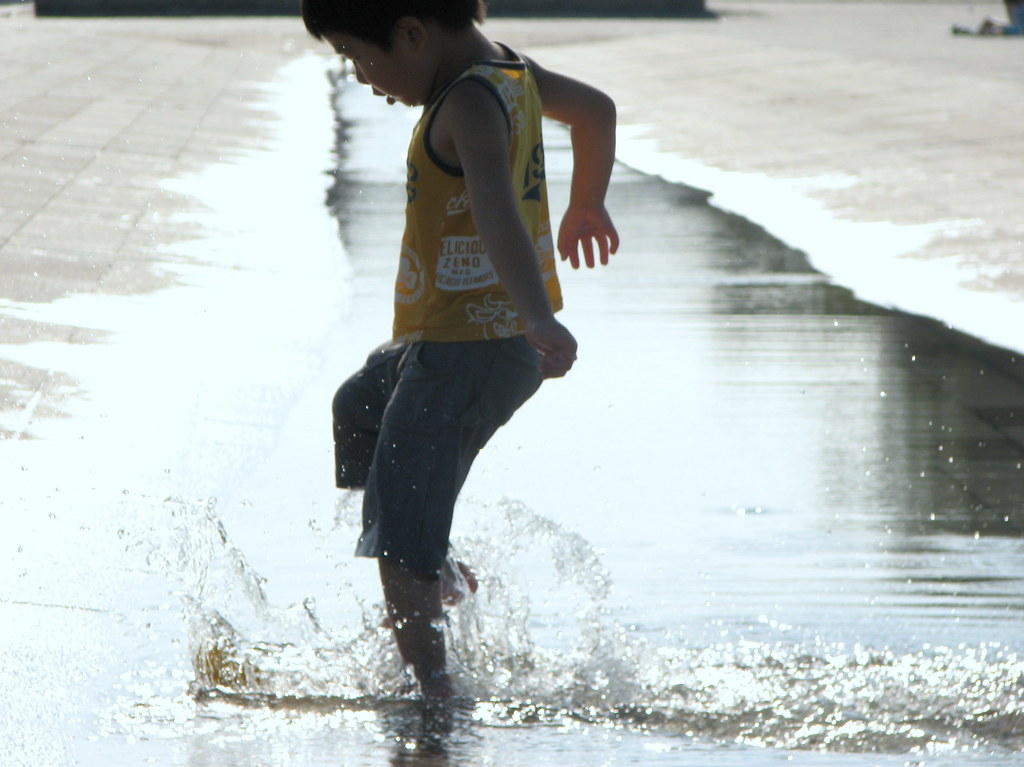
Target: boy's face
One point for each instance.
(396, 74)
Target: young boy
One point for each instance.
(474, 326)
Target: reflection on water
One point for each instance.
(788, 531)
(521, 669)
(851, 479)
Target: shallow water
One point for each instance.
(761, 522)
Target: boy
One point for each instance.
(474, 330)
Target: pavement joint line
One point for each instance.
(55, 606)
(24, 420)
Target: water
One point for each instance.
(761, 523)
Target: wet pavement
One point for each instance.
(99, 112)
(768, 469)
(852, 116)
(746, 383)
(921, 128)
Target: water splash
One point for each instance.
(523, 658)
(841, 699)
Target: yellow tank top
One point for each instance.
(447, 289)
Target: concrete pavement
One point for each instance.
(94, 114)
(873, 111)
(95, 117)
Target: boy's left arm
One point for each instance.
(591, 117)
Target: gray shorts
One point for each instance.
(407, 427)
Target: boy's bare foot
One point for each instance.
(457, 580)
(437, 686)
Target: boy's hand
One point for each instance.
(556, 345)
(583, 226)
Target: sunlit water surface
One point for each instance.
(759, 523)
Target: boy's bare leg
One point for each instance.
(414, 606)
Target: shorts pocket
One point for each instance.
(512, 380)
(420, 401)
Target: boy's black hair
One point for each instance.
(374, 21)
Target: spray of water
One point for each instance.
(538, 644)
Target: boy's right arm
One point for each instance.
(590, 115)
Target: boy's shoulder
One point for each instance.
(495, 70)
(508, 80)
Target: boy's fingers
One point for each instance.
(607, 244)
(611, 243)
(555, 365)
(568, 253)
(588, 252)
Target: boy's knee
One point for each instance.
(341, 405)
(355, 407)
(356, 426)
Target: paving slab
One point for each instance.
(97, 114)
(921, 128)
(924, 127)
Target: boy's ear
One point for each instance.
(411, 31)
